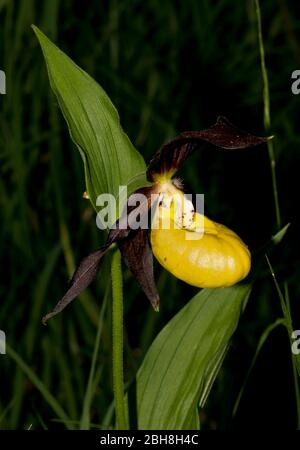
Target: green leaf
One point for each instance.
(184, 359)
(110, 160)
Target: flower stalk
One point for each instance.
(117, 327)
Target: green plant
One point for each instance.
(210, 319)
(191, 60)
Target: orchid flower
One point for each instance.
(189, 245)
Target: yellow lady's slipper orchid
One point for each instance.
(189, 245)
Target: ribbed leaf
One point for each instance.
(184, 359)
(110, 160)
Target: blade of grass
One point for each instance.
(71, 401)
(107, 420)
(260, 344)
(286, 311)
(267, 115)
(289, 327)
(267, 122)
(39, 385)
(85, 417)
(5, 411)
(39, 293)
(40, 420)
(18, 390)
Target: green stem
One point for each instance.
(117, 326)
(267, 116)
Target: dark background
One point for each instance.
(168, 66)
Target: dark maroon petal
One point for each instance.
(137, 254)
(222, 134)
(89, 266)
(124, 225)
(83, 276)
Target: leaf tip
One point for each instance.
(277, 238)
(35, 29)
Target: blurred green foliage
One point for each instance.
(168, 67)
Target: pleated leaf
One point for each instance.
(184, 359)
(110, 160)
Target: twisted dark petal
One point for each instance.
(222, 134)
(137, 254)
(123, 232)
(83, 276)
(135, 247)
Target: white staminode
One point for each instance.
(176, 210)
(182, 214)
